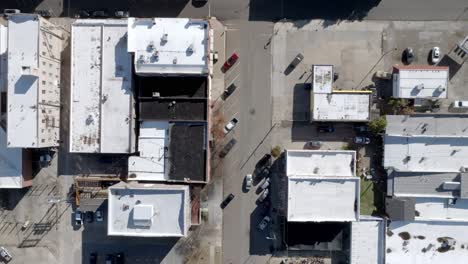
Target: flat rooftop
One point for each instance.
(101, 115)
(425, 242)
(322, 79)
(427, 125)
(420, 81)
(322, 186)
(340, 106)
(11, 164)
(174, 46)
(148, 210)
(441, 209)
(367, 241)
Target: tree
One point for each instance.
(378, 125)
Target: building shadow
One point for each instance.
(24, 6)
(453, 66)
(301, 102)
(259, 244)
(333, 11)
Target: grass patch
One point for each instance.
(367, 197)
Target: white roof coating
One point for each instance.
(101, 117)
(320, 163)
(341, 107)
(425, 153)
(174, 46)
(367, 242)
(323, 78)
(11, 162)
(3, 57)
(423, 82)
(315, 179)
(152, 144)
(428, 125)
(425, 243)
(130, 206)
(442, 209)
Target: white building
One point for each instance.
(367, 241)
(101, 103)
(420, 81)
(13, 171)
(169, 46)
(328, 104)
(148, 210)
(3, 58)
(34, 48)
(322, 186)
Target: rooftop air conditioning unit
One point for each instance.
(164, 38)
(156, 94)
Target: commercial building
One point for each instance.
(415, 81)
(34, 56)
(169, 46)
(322, 186)
(367, 241)
(328, 104)
(15, 165)
(148, 210)
(101, 97)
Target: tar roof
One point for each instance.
(10, 164)
(148, 210)
(341, 106)
(101, 97)
(422, 242)
(316, 178)
(169, 45)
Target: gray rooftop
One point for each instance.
(427, 184)
(428, 125)
(400, 209)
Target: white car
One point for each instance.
(229, 126)
(5, 254)
(435, 55)
(99, 217)
(248, 181)
(460, 104)
(264, 223)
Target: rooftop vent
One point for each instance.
(164, 39)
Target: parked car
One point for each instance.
(229, 90)
(313, 145)
(78, 218)
(263, 195)
(44, 13)
(7, 12)
(299, 57)
(264, 223)
(109, 259)
(93, 258)
(264, 161)
(264, 185)
(100, 14)
(361, 128)
(89, 217)
(460, 104)
(262, 172)
(99, 216)
(408, 55)
(229, 126)
(362, 140)
(121, 14)
(227, 148)
(231, 61)
(326, 128)
(383, 75)
(5, 254)
(435, 55)
(227, 200)
(248, 181)
(120, 258)
(83, 13)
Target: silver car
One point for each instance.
(263, 195)
(265, 184)
(248, 181)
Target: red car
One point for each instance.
(231, 61)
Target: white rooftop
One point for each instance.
(367, 241)
(174, 46)
(148, 210)
(152, 142)
(322, 79)
(319, 178)
(425, 243)
(101, 117)
(442, 209)
(3, 57)
(341, 107)
(420, 82)
(11, 162)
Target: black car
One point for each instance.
(326, 128)
(83, 14)
(44, 13)
(227, 148)
(296, 60)
(408, 55)
(89, 217)
(227, 201)
(93, 258)
(100, 14)
(230, 89)
(121, 14)
(120, 258)
(264, 161)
